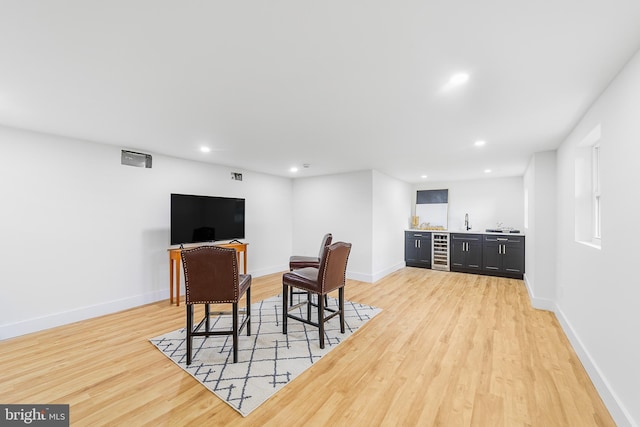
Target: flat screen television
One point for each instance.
(196, 219)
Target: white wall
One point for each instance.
(83, 235)
(487, 201)
(598, 291)
(339, 204)
(350, 207)
(392, 201)
(540, 248)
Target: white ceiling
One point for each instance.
(342, 85)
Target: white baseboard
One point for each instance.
(11, 330)
(536, 302)
(354, 275)
(361, 277)
(620, 415)
(374, 277)
(383, 273)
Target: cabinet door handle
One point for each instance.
(504, 249)
(499, 249)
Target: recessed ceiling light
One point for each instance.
(479, 143)
(456, 80)
(459, 79)
(423, 176)
(205, 149)
(293, 169)
(487, 171)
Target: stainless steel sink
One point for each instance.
(498, 230)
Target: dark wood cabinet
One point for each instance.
(503, 255)
(491, 254)
(466, 253)
(417, 249)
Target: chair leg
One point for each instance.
(285, 295)
(235, 332)
(206, 316)
(248, 311)
(321, 319)
(290, 293)
(309, 306)
(189, 308)
(341, 308)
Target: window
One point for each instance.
(588, 191)
(526, 208)
(595, 170)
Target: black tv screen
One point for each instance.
(197, 219)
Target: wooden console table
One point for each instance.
(175, 258)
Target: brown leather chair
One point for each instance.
(301, 261)
(211, 277)
(329, 276)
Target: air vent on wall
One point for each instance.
(131, 158)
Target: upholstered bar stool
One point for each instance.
(329, 276)
(301, 261)
(211, 277)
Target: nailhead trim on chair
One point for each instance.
(324, 272)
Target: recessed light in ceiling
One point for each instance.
(456, 80)
(479, 143)
(423, 176)
(459, 79)
(487, 171)
(205, 149)
(293, 169)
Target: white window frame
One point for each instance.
(596, 193)
(588, 190)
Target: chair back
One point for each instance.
(333, 266)
(210, 275)
(326, 241)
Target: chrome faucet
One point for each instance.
(466, 222)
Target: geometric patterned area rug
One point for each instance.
(268, 359)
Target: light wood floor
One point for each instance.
(448, 349)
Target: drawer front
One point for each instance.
(503, 239)
(467, 237)
(417, 235)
